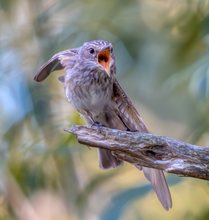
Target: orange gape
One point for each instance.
(104, 59)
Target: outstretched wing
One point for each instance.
(133, 121)
(57, 62)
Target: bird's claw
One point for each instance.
(98, 125)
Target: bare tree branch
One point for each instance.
(148, 150)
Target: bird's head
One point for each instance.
(100, 54)
(97, 54)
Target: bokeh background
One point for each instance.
(162, 51)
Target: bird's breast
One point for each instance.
(90, 92)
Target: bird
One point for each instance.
(92, 88)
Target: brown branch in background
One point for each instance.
(148, 150)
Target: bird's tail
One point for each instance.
(107, 160)
(159, 184)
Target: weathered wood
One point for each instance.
(148, 150)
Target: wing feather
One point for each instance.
(57, 62)
(126, 110)
(134, 122)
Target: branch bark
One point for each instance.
(149, 150)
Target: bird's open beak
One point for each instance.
(103, 58)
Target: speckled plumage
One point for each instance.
(97, 95)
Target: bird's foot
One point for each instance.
(98, 125)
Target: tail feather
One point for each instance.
(159, 184)
(107, 160)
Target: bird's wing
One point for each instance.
(126, 110)
(57, 62)
(133, 121)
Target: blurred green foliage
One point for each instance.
(162, 62)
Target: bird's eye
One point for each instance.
(111, 49)
(91, 50)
